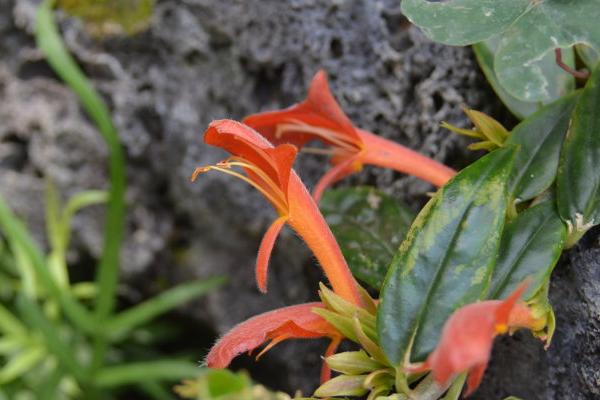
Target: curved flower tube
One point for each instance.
(320, 117)
(468, 335)
(269, 170)
(294, 322)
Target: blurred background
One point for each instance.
(164, 74)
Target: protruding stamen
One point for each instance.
(329, 135)
(224, 166)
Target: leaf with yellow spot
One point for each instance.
(447, 259)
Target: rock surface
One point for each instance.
(202, 60)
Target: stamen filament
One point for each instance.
(261, 174)
(276, 202)
(327, 134)
(315, 150)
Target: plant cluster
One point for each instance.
(476, 261)
(61, 339)
(473, 264)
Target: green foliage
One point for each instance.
(368, 225)
(446, 260)
(463, 22)
(561, 83)
(226, 385)
(109, 17)
(51, 44)
(52, 344)
(48, 356)
(527, 32)
(530, 247)
(539, 138)
(578, 181)
(491, 133)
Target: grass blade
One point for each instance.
(50, 42)
(15, 232)
(124, 322)
(50, 332)
(139, 372)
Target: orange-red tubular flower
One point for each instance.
(297, 322)
(468, 335)
(320, 117)
(269, 169)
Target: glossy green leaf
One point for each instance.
(530, 247)
(484, 51)
(529, 31)
(369, 225)
(539, 138)
(447, 258)
(578, 180)
(545, 26)
(462, 22)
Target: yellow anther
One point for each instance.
(501, 328)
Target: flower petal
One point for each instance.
(242, 141)
(264, 252)
(504, 310)
(253, 332)
(474, 378)
(467, 338)
(320, 109)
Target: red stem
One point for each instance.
(584, 74)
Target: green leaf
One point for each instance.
(530, 247)
(50, 43)
(352, 363)
(50, 332)
(484, 51)
(76, 203)
(369, 225)
(578, 180)
(588, 55)
(126, 374)
(9, 324)
(15, 232)
(539, 138)
(22, 363)
(447, 258)
(342, 385)
(546, 26)
(529, 32)
(463, 22)
(124, 322)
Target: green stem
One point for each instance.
(456, 388)
(428, 389)
(50, 42)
